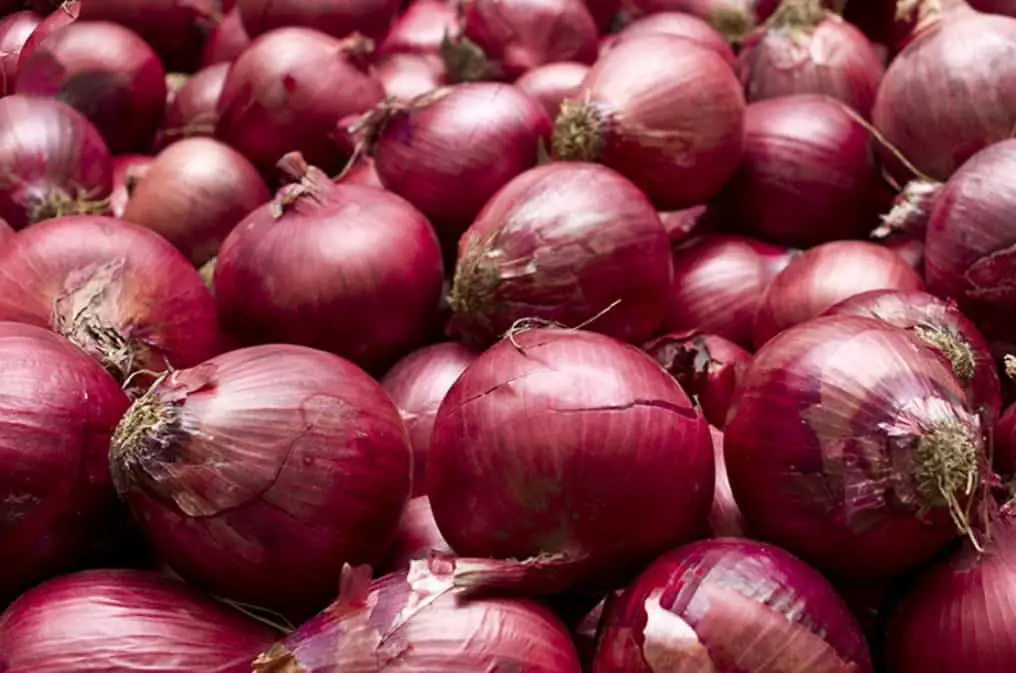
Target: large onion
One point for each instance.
(368, 17)
(15, 29)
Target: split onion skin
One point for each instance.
(15, 29)
(725, 519)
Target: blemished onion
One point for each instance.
(502, 39)
(665, 112)
(59, 409)
(406, 76)
(417, 621)
(193, 194)
(416, 536)
(66, 14)
(808, 174)
(818, 278)
(297, 453)
(107, 73)
(123, 294)
(970, 55)
(725, 518)
(296, 269)
(127, 171)
(286, 93)
(419, 153)
(733, 19)
(572, 243)
(805, 48)
(56, 162)
(421, 28)
(371, 18)
(118, 621)
(361, 172)
(194, 109)
(852, 445)
(15, 29)
(680, 24)
(730, 605)
(551, 84)
(718, 284)
(226, 41)
(417, 384)
(601, 437)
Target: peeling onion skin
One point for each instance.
(683, 25)
(416, 536)
(726, 606)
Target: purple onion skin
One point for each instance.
(15, 29)
(416, 536)
(730, 606)
(1004, 458)
(552, 83)
(683, 25)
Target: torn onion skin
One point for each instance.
(226, 41)
(416, 537)
(725, 519)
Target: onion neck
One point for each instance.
(578, 132)
(955, 348)
(277, 659)
(911, 209)
(465, 60)
(927, 13)
(143, 440)
(733, 23)
(800, 15)
(947, 468)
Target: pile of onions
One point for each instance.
(64, 15)
(551, 84)
(680, 24)
(572, 243)
(226, 41)
(15, 30)
(408, 76)
(502, 39)
(854, 446)
(125, 620)
(56, 162)
(663, 111)
(107, 73)
(582, 437)
(367, 17)
(718, 284)
(726, 605)
(287, 92)
(298, 455)
(416, 620)
(416, 536)
(805, 48)
(194, 193)
(725, 518)
(421, 28)
(419, 153)
(821, 277)
(59, 409)
(194, 109)
(120, 292)
(808, 174)
(733, 19)
(127, 171)
(298, 269)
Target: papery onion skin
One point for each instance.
(680, 24)
(115, 621)
(818, 278)
(15, 29)
(847, 442)
(598, 434)
(421, 28)
(665, 112)
(551, 84)
(312, 467)
(734, 19)
(416, 536)
(59, 410)
(528, 255)
(408, 76)
(127, 171)
(339, 19)
(120, 292)
(226, 41)
(66, 14)
(726, 605)
(725, 519)
(194, 109)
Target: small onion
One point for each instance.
(127, 171)
(339, 19)
(733, 19)
(551, 84)
(421, 28)
(15, 29)
(66, 14)
(406, 77)
(730, 605)
(680, 24)
(194, 109)
(725, 519)
(226, 41)
(416, 536)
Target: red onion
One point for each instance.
(502, 39)
(417, 384)
(127, 172)
(909, 248)
(339, 19)
(416, 536)
(680, 24)
(823, 276)
(852, 445)
(55, 160)
(808, 175)
(107, 73)
(421, 28)
(226, 41)
(65, 15)
(295, 270)
(419, 152)
(663, 111)
(362, 172)
(964, 59)
(115, 621)
(287, 92)
(15, 29)
(571, 243)
(416, 621)
(298, 456)
(6, 231)
(551, 84)
(120, 292)
(582, 436)
(58, 409)
(730, 605)
(682, 225)
(1004, 457)
(194, 193)
(193, 111)
(408, 76)
(718, 284)
(734, 19)
(725, 519)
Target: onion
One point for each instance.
(115, 621)
(55, 160)
(730, 605)
(734, 19)
(909, 248)
(362, 172)
(718, 284)
(419, 152)
(502, 39)
(852, 445)
(417, 384)
(127, 171)
(680, 24)
(296, 454)
(193, 111)
(295, 270)
(421, 28)
(571, 243)
(58, 409)
(417, 621)
(599, 436)
(1004, 458)
(107, 73)
(287, 92)
(551, 84)
(911, 210)
(408, 76)
(15, 29)
(808, 175)
(65, 15)
(371, 18)
(194, 193)
(226, 41)
(120, 292)
(805, 48)
(725, 519)
(682, 225)
(663, 111)
(416, 536)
